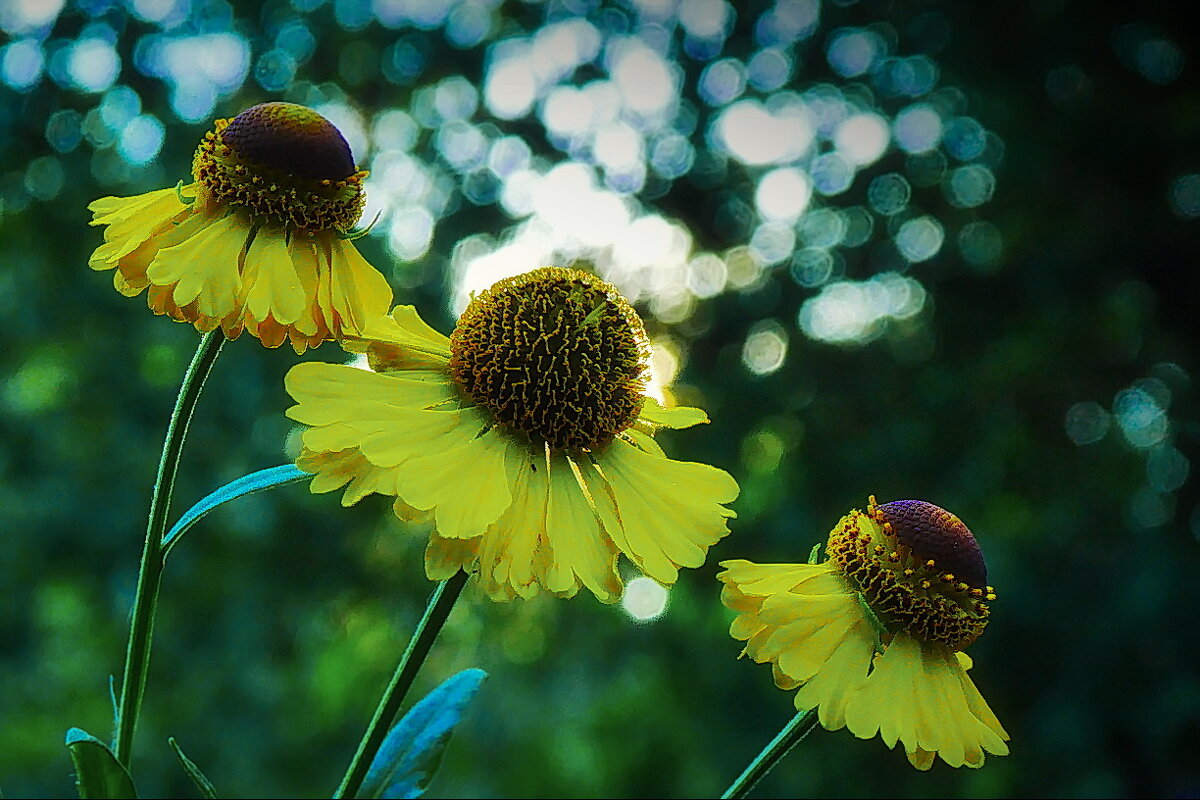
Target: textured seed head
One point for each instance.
(283, 164)
(918, 568)
(556, 354)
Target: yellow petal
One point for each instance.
(579, 548)
(359, 292)
(840, 679)
(203, 268)
(168, 233)
(444, 557)
(111, 210)
(346, 468)
(643, 441)
(768, 579)
(921, 759)
(915, 695)
(277, 290)
(662, 514)
(402, 341)
(466, 483)
(337, 392)
(673, 417)
(128, 287)
(513, 554)
(138, 219)
(979, 706)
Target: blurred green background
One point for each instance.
(916, 249)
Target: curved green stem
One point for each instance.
(801, 725)
(137, 654)
(436, 612)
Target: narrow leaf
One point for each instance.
(413, 748)
(98, 774)
(199, 778)
(247, 484)
(116, 707)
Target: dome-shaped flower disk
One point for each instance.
(872, 637)
(258, 241)
(525, 436)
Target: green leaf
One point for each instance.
(116, 707)
(247, 484)
(877, 625)
(98, 774)
(410, 754)
(199, 778)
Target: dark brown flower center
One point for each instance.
(292, 139)
(284, 164)
(555, 353)
(919, 569)
(933, 532)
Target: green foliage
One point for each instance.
(194, 772)
(291, 611)
(98, 774)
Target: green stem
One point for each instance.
(801, 725)
(436, 612)
(137, 654)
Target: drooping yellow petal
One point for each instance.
(155, 221)
(333, 470)
(841, 678)
(402, 341)
(979, 707)
(127, 287)
(667, 513)
(303, 255)
(168, 233)
(806, 620)
(579, 548)
(921, 759)
(110, 210)
(359, 292)
(915, 696)
(513, 558)
(674, 417)
(204, 268)
(803, 630)
(277, 291)
(782, 679)
(444, 557)
(465, 484)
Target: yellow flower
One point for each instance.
(873, 636)
(525, 436)
(258, 241)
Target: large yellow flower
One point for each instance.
(258, 241)
(873, 636)
(525, 436)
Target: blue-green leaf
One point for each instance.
(194, 772)
(247, 484)
(413, 748)
(98, 774)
